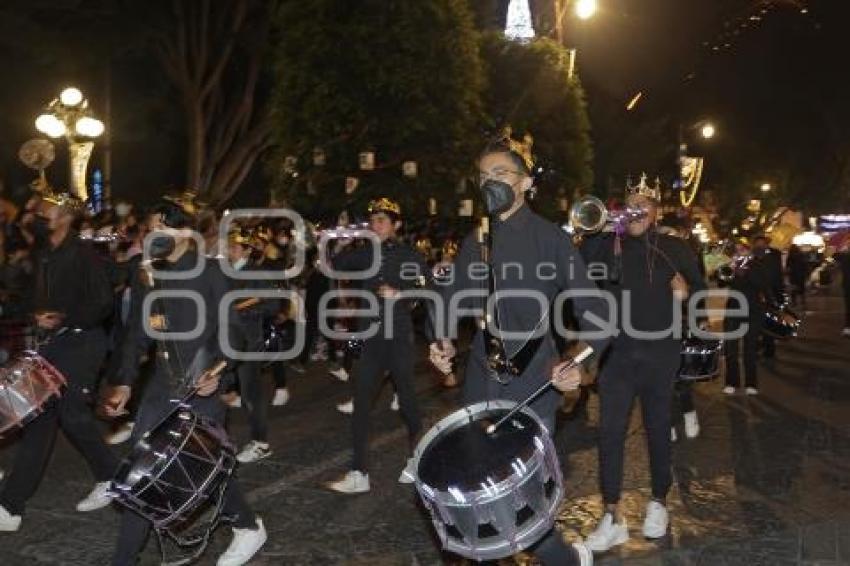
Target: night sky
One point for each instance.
(778, 92)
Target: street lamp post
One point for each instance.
(584, 10)
(69, 115)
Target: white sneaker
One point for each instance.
(352, 482)
(751, 391)
(346, 408)
(729, 390)
(245, 544)
(656, 521)
(585, 556)
(254, 451)
(120, 435)
(691, 424)
(98, 498)
(607, 535)
(394, 403)
(673, 436)
(846, 332)
(339, 373)
(9, 523)
(235, 402)
(408, 474)
(281, 397)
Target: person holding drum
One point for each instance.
(530, 261)
(649, 275)
(73, 300)
(182, 366)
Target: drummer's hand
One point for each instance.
(566, 379)
(113, 401)
(207, 383)
(441, 354)
(679, 287)
(49, 320)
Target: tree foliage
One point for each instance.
(402, 79)
(528, 88)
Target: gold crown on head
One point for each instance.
(521, 148)
(643, 189)
(384, 204)
(187, 200)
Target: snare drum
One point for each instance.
(174, 469)
(700, 359)
(781, 322)
(489, 495)
(27, 383)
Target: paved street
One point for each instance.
(766, 483)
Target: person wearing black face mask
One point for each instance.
(548, 264)
(72, 300)
(180, 365)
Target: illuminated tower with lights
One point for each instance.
(518, 26)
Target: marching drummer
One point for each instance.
(71, 313)
(547, 263)
(181, 365)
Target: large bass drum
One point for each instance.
(174, 470)
(700, 359)
(489, 495)
(27, 383)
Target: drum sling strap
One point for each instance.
(498, 360)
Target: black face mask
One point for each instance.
(498, 196)
(40, 227)
(161, 246)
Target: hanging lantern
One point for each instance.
(367, 160)
(432, 206)
(319, 158)
(351, 184)
(465, 208)
(409, 169)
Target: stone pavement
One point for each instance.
(766, 483)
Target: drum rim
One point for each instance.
(463, 414)
(57, 382)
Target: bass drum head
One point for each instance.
(464, 456)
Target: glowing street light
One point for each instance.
(708, 131)
(69, 115)
(765, 187)
(585, 9)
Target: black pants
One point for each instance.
(158, 402)
(253, 392)
(846, 302)
(279, 375)
(749, 343)
(379, 356)
(78, 356)
(626, 374)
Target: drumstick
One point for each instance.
(580, 357)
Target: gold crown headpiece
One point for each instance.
(643, 188)
(521, 148)
(187, 200)
(384, 204)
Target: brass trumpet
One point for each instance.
(589, 215)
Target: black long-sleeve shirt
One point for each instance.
(530, 256)
(644, 270)
(72, 280)
(186, 358)
(400, 268)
